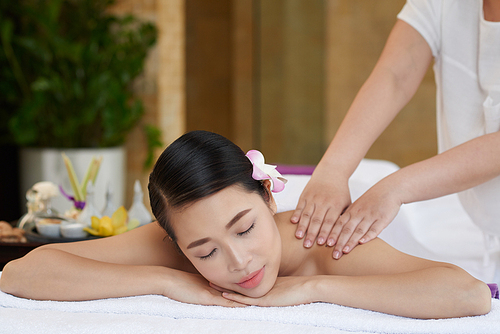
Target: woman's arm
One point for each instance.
(54, 274)
(134, 263)
(460, 168)
(415, 294)
(128, 264)
(380, 278)
(392, 83)
(377, 277)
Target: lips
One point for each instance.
(253, 279)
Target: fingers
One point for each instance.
(341, 233)
(329, 220)
(230, 303)
(304, 220)
(298, 212)
(352, 231)
(226, 301)
(372, 233)
(240, 299)
(316, 223)
(218, 288)
(318, 209)
(209, 297)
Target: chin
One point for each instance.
(257, 292)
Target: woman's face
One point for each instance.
(232, 240)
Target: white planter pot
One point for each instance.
(46, 164)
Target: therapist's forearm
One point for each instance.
(387, 90)
(455, 170)
(370, 113)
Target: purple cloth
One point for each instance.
(494, 290)
(296, 169)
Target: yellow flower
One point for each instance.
(117, 224)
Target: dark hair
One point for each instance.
(196, 165)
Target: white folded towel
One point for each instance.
(322, 315)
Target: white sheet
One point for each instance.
(434, 229)
(142, 314)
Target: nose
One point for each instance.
(239, 258)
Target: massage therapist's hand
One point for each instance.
(366, 217)
(323, 200)
(287, 291)
(194, 289)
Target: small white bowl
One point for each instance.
(73, 230)
(48, 227)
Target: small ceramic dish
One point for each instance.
(72, 230)
(48, 227)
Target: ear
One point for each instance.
(270, 202)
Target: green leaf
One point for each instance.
(153, 138)
(40, 84)
(7, 28)
(68, 72)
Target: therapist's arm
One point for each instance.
(455, 170)
(393, 82)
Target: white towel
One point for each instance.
(68, 316)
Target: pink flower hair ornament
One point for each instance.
(263, 171)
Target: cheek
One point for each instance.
(213, 270)
(270, 236)
(267, 243)
(273, 249)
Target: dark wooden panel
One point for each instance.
(208, 66)
(242, 86)
(292, 74)
(357, 32)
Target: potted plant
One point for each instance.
(67, 68)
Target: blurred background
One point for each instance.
(274, 75)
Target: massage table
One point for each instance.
(436, 229)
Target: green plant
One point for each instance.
(67, 68)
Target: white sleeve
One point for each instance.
(425, 17)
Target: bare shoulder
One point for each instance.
(145, 245)
(373, 258)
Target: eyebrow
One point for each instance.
(228, 226)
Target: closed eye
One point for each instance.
(239, 234)
(247, 231)
(209, 255)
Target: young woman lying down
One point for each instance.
(219, 241)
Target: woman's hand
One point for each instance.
(195, 289)
(365, 218)
(287, 291)
(320, 205)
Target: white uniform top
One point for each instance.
(466, 50)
